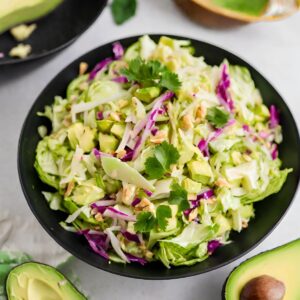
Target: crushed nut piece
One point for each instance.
(187, 122)
(83, 86)
(193, 214)
(115, 116)
(221, 182)
(244, 224)
(159, 137)
(145, 205)
(69, 189)
(98, 217)
(83, 66)
(201, 111)
(94, 211)
(128, 193)
(121, 153)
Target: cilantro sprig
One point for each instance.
(146, 221)
(217, 117)
(122, 10)
(164, 156)
(179, 197)
(151, 73)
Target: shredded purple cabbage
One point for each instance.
(203, 146)
(154, 131)
(130, 236)
(118, 50)
(274, 116)
(100, 115)
(128, 156)
(212, 246)
(274, 152)
(195, 203)
(135, 202)
(100, 66)
(101, 209)
(139, 260)
(223, 90)
(246, 128)
(98, 154)
(120, 79)
(150, 122)
(148, 193)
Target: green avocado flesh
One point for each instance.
(14, 12)
(282, 263)
(34, 281)
(252, 7)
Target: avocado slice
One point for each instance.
(108, 143)
(40, 282)
(20, 11)
(282, 264)
(105, 125)
(147, 94)
(200, 171)
(118, 130)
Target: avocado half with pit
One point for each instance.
(14, 12)
(271, 275)
(35, 281)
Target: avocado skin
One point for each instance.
(223, 292)
(21, 14)
(75, 292)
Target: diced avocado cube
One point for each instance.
(118, 130)
(200, 171)
(81, 135)
(191, 186)
(105, 125)
(108, 143)
(147, 94)
(224, 224)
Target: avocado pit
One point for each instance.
(263, 288)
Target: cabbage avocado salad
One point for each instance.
(157, 156)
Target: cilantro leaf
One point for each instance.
(170, 81)
(151, 73)
(122, 10)
(153, 168)
(164, 156)
(163, 212)
(179, 197)
(217, 116)
(145, 222)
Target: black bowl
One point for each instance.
(268, 212)
(55, 31)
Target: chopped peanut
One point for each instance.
(192, 196)
(187, 122)
(94, 211)
(83, 66)
(211, 200)
(128, 193)
(201, 111)
(244, 224)
(193, 214)
(159, 137)
(70, 187)
(98, 217)
(115, 116)
(67, 121)
(145, 205)
(221, 182)
(121, 153)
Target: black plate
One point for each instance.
(268, 212)
(55, 31)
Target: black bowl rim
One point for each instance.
(168, 277)
(59, 48)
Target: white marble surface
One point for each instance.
(273, 48)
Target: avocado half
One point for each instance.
(38, 281)
(19, 11)
(281, 263)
